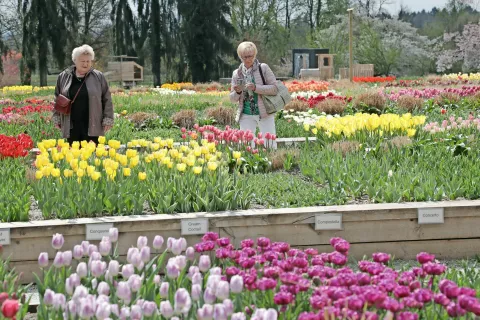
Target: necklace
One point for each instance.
(80, 79)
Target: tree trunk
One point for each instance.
(155, 42)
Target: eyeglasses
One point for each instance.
(247, 57)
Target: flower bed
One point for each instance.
(429, 93)
(260, 279)
(297, 86)
(373, 79)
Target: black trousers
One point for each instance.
(80, 136)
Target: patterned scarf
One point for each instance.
(249, 78)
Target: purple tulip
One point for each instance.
(223, 242)
(434, 268)
(58, 261)
(238, 316)
(441, 299)
(173, 270)
(263, 242)
(85, 245)
(135, 282)
(125, 313)
(182, 301)
(72, 307)
(424, 257)
(228, 304)
(341, 246)
(204, 263)
(48, 297)
(105, 247)
(157, 242)
(103, 288)
(82, 270)
(136, 312)
(77, 252)
(124, 292)
(337, 258)
(43, 260)
(113, 268)
(381, 257)
(91, 249)
(236, 284)
(103, 311)
(164, 287)
(127, 271)
(67, 258)
(423, 295)
(98, 268)
(406, 316)
(210, 236)
(247, 243)
(283, 298)
(222, 290)
(177, 247)
(87, 309)
(145, 254)
(209, 295)
(149, 308)
(190, 253)
(205, 312)
(69, 286)
(468, 292)
(57, 241)
(219, 312)
(197, 278)
(166, 309)
(454, 310)
(142, 241)
(196, 292)
(265, 284)
(181, 262)
(113, 235)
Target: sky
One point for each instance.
(416, 5)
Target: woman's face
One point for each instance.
(83, 63)
(247, 58)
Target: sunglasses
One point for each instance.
(247, 57)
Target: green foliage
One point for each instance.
(14, 192)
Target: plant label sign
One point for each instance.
(194, 226)
(328, 221)
(430, 215)
(96, 231)
(4, 237)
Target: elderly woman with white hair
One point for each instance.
(249, 82)
(91, 111)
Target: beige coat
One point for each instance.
(99, 102)
(269, 89)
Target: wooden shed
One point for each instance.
(127, 71)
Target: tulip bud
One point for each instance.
(67, 258)
(181, 262)
(105, 247)
(228, 304)
(204, 263)
(190, 253)
(113, 234)
(57, 241)
(103, 288)
(58, 301)
(141, 242)
(238, 316)
(145, 254)
(48, 297)
(135, 282)
(156, 279)
(103, 311)
(223, 290)
(98, 268)
(113, 268)
(58, 261)
(77, 252)
(43, 259)
(149, 307)
(136, 312)
(209, 295)
(219, 312)
(85, 247)
(236, 284)
(197, 278)
(164, 289)
(123, 291)
(177, 247)
(196, 292)
(166, 309)
(157, 242)
(205, 313)
(82, 270)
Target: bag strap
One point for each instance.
(261, 73)
(84, 79)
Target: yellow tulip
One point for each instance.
(90, 170)
(181, 167)
(142, 176)
(101, 139)
(80, 173)
(96, 175)
(38, 175)
(197, 170)
(56, 173)
(212, 166)
(127, 172)
(98, 162)
(83, 164)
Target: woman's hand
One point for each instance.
(238, 89)
(106, 128)
(251, 86)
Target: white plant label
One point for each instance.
(95, 231)
(430, 215)
(329, 221)
(4, 237)
(194, 226)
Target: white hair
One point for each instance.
(246, 47)
(83, 50)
